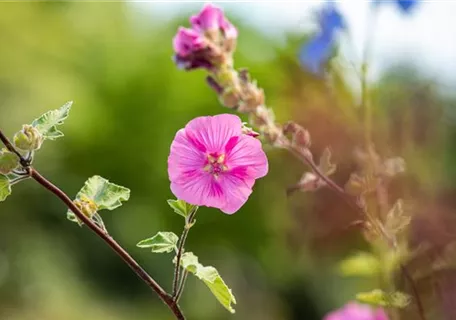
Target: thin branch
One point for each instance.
(180, 250)
(110, 242)
(140, 272)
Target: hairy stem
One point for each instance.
(178, 283)
(140, 272)
(181, 286)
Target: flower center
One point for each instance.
(215, 164)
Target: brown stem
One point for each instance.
(140, 272)
(110, 242)
(178, 283)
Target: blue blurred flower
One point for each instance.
(316, 52)
(405, 5)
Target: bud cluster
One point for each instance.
(208, 44)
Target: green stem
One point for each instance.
(179, 283)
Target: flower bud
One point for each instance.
(8, 161)
(230, 98)
(252, 98)
(300, 136)
(87, 206)
(28, 139)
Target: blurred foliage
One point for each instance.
(278, 254)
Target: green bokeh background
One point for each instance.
(277, 253)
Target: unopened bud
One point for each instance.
(28, 139)
(252, 98)
(8, 161)
(229, 98)
(300, 136)
(87, 206)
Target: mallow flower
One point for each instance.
(213, 163)
(316, 52)
(356, 311)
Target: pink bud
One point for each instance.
(187, 41)
(208, 19)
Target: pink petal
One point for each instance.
(187, 41)
(247, 153)
(213, 132)
(184, 157)
(236, 192)
(199, 188)
(207, 19)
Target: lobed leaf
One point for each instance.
(210, 276)
(181, 207)
(48, 122)
(104, 194)
(161, 242)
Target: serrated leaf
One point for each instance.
(325, 164)
(5, 187)
(379, 298)
(210, 276)
(161, 242)
(181, 207)
(397, 219)
(104, 194)
(360, 264)
(48, 122)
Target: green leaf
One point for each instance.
(210, 276)
(161, 242)
(104, 194)
(379, 298)
(181, 207)
(360, 264)
(48, 122)
(5, 187)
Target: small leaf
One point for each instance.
(379, 298)
(210, 276)
(396, 219)
(161, 242)
(104, 194)
(325, 165)
(5, 187)
(48, 122)
(181, 207)
(360, 264)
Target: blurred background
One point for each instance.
(279, 253)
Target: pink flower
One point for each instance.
(187, 41)
(212, 163)
(356, 311)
